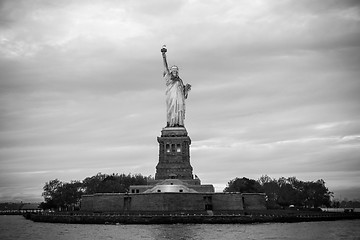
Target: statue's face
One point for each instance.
(174, 72)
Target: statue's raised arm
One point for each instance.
(166, 67)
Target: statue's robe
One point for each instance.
(175, 100)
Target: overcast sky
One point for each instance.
(275, 89)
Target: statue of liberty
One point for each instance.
(176, 93)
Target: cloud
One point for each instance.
(275, 88)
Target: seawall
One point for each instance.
(206, 218)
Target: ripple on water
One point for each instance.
(17, 227)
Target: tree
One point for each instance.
(91, 184)
(243, 185)
(51, 194)
(317, 194)
(62, 195)
(115, 183)
(71, 194)
(51, 188)
(291, 191)
(287, 194)
(272, 191)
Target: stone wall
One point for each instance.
(171, 202)
(168, 202)
(205, 188)
(103, 202)
(108, 202)
(227, 201)
(195, 218)
(254, 201)
(143, 202)
(87, 203)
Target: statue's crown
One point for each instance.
(174, 67)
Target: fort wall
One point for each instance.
(171, 202)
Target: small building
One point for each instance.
(31, 208)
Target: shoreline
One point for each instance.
(184, 218)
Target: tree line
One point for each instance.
(67, 195)
(284, 192)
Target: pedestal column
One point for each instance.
(174, 154)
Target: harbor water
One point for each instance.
(17, 227)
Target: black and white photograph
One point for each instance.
(179, 119)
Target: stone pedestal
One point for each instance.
(174, 155)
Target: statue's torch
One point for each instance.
(163, 49)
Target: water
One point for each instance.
(17, 227)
